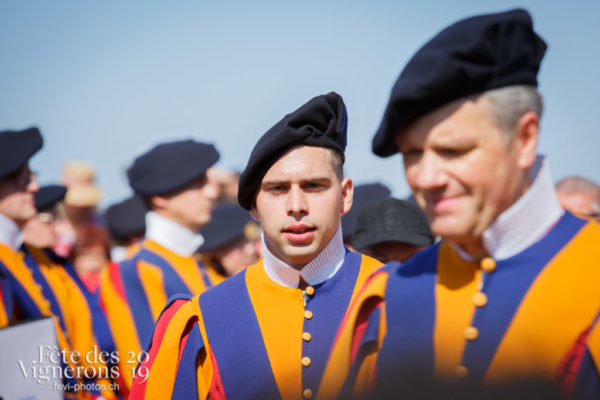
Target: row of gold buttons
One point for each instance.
(480, 299)
(306, 336)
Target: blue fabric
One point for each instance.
(33, 265)
(7, 292)
(186, 381)
(508, 285)
(328, 305)
(587, 383)
(410, 313)
(100, 326)
(25, 305)
(367, 345)
(136, 298)
(236, 341)
(172, 281)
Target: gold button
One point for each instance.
(306, 361)
(461, 372)
(308, 314)
(307, 393)
(488, 264)
(480, 299)
(310, 290)
(306, 336)
(471, 333)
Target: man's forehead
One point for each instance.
(449, 124)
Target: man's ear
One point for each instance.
(158, 202)
(526, 139)
(347, 194)
(253, 211)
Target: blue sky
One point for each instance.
(107, 79)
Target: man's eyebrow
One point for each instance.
(274, 182)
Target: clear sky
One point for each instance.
(104, 80)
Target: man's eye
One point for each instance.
(412, 153)
(452, 152)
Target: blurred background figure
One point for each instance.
(79, 206)
(40, 231)
(90, 254)
(227, 181)
(126, 223)
(391, 230)
(232, 239)
(579, 195)
(363, 195)
(83, 326)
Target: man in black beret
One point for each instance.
(391, 230)
(232, 239)
(172, 179)
(22, 285)
(82, 323)
(267, 331)
(17, 187)
(511, 292)
(126, 223)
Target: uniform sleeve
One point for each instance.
(113, 302)
(177, 364)
(351, 366)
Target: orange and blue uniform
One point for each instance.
(253, 337)
(79, 315)
(134, 292)
(532, 315)
(42, 287)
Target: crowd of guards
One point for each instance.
(288, 281)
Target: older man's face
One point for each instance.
(462, 168)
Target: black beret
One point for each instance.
(321, 122)
(127, 218)
(47, 197)
(471, 56)
(227, 224)
(17, 147)
(170, 166)
(363, 194)
(391, 220)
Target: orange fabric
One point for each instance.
(339, 362)
(564, 300)
(457, 282)
(280, 327)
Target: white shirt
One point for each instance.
(322, 267)
(10, 233)
(169, 234)
(527, 220)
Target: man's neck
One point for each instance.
(10, 232)
(521, 224)
(322, 267)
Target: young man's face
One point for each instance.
(300, 202)
(463, 169)
(17, 196)
(190, 207)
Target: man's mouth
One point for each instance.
(299, 233)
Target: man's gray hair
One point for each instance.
(509, 103)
